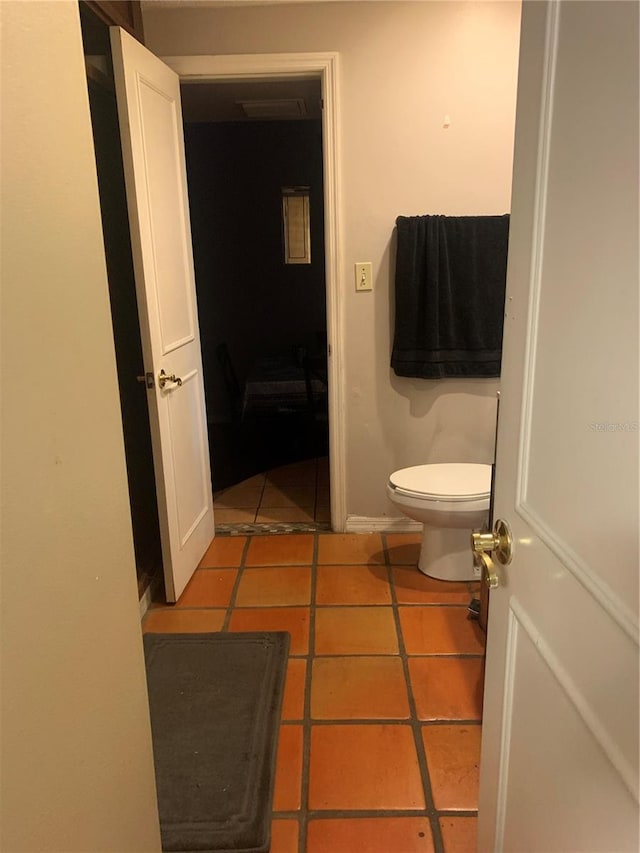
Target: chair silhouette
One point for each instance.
(234, 390)
(315, 377)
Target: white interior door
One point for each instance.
(559, 765)
(150, 116)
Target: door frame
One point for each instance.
(322, 66)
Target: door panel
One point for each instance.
(562, 792)
(584, 308)
(169, 263)
(153, 152)
(559, 766)
(193, 498)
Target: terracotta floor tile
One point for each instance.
(296, 474)
(171, 621)
(209, 588)
(223, 551)
(412, 587)
(281, 550)
(272, 586)
(370, 835)
(355, 631)
(287, 794)
(246, 493)
(352, 585)
(358, 548)
(295, 620)
(362, 688)
(364, 767)
(437, 630)
(284, 836)
(447, 688)
(453, 758)
(459, 834)
(278, 514)
(404, 548)
(235, 516)
(287, 496)
(293, 700)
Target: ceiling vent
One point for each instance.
(274, 108)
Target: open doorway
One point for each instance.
(321, 67)
(263, 322)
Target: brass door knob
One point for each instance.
(498, 543)
(491, 576)
(163, 378)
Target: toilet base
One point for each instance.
(446, 554)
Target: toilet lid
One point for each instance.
(461, 481)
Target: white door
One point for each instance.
(150, 116)
(559, 768)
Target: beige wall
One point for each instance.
(76, 764)
(404, 66)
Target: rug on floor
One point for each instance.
(272, 527)
(215, 702)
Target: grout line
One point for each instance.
(400, 604)
(260, 499)
(416, 724)
(316, 814)
(384, 721)
(236, 586)
(306, 721)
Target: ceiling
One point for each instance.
(214, 102)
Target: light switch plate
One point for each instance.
(364, 276)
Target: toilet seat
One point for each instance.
(448, 481)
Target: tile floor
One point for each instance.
(380, 737)
(292, 493)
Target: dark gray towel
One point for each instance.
(450, 285)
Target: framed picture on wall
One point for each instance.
(296, 225)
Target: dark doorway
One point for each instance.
(261, 319)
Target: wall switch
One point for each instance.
(364, 277)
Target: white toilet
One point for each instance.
(451, 499)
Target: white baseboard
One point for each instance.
(147, 598)
(363, 524)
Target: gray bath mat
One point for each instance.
(215, 703)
